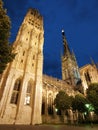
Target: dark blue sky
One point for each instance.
(79, 19)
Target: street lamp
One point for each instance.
(89, 107)
(90, 110)
(56, 109)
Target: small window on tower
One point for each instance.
(26, 39)
(33, 57)
(29, 19)
(31, 12)
(23, 53)
(21, 61)
(33, 21)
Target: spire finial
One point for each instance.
(62, 30)
(65, 45)
(63, 33)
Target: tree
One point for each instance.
(92, 95)
(62, 101)
(6, 54)
(79, 103)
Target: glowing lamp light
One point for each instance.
(62, 30)
(89, 107)
(56, 109)
(85, 113)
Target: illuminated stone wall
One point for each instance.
(51, 87)
(21, 82)
(89, 74)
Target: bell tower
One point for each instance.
(70, 71)
(21, 82)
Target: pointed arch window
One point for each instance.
(15, 93)
(87, 77)
(28, 94)
(23, 53)
(33, 57)
(50, 104)
(43, 105)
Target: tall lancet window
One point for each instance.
(28, 94)
(43, 105)
(87, 77)
(15, 93)
(50, 104)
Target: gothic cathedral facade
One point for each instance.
(26, 95)
(21, 82)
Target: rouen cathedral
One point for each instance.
(26, 95)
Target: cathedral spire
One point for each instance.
(70, 70)
(65, 45)
(73, 55)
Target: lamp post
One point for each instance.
(56, 110)
(90, 109)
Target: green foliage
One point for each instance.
(89, 107)
(6, 54)
(79, 103)
(62, 101)
(92, 95)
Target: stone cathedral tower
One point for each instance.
(70, 71)
(21, 82)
